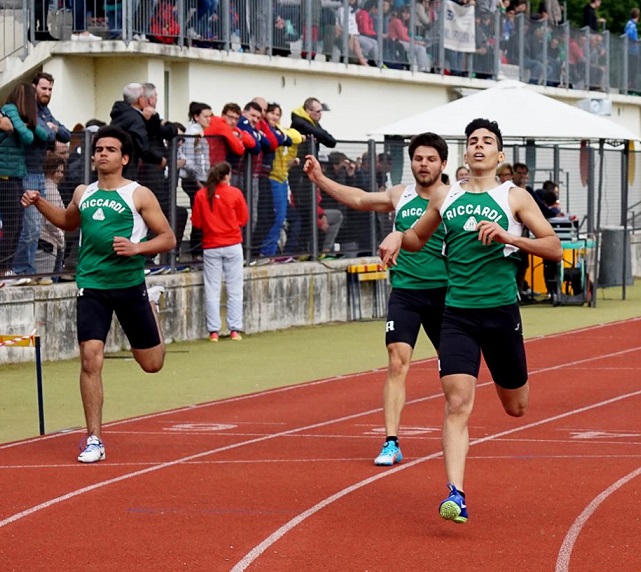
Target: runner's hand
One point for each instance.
(124, 246)
(390, 248)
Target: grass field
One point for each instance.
(200, 371)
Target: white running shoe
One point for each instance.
(155, 293)
(93, 452)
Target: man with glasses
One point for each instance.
(226, 141)
(306, 120)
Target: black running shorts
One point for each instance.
(408, 310)
(95, 309)
(497, 333)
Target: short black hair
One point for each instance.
(428, 139)
(253, 105)
(126, 143)
(492, 126)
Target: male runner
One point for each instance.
(419, 279)
(114, 215)
(483, 225)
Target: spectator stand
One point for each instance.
(29, 341)
(356, 275)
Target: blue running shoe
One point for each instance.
(390, 454)
(453, 507)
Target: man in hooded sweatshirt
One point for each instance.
(306, 120)
(132, 115)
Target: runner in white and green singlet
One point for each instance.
(104, 215)
(482, 234)
(114, 215)
(419, 280)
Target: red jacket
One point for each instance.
(225, 140)
(222, 223)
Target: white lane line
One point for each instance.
(563, 559)
(101, 484)
(255, 552)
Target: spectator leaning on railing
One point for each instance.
(20, 108)
(24, 260)
(306, 120)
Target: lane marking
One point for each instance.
(255, 552)
(167, 464)
(565, 553)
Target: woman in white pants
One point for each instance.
(220, 211)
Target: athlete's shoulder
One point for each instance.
(398, 191)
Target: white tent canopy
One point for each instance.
(520, 111)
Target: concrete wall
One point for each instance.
(276, 297)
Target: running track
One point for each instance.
(284, 481)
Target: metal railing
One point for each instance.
(494, 45)
(369, 165)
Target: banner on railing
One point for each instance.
(459, 27)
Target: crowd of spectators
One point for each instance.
(289, 219)
(406, 33)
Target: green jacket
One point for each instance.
(13, 143)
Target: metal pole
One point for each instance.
(345, 35)
(249, 195)
(497, 44)
(371, 151)
(412, 32)
(308, 29)
(626, 63)
(441, 39)
(590, 189)
(314, 205)
(270, 29)
(180, 7)
(379, 33)
(226, 25)
(545, 53)
(41, 406)
(625, 158)
(173, 185)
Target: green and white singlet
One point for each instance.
(103, 216)
(480, 276)
(424, 269)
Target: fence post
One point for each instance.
(308, 30)
(314, 204)
(173, 186)
(626, 63)
(497, 45)
(249, 195)
(373, 188)
(345, 34)
(226, 25)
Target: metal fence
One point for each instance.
(590, 185)
(417, 35)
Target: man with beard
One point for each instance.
(419, 279)
(24, 261)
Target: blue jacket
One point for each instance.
(36, 153)
(13, 144)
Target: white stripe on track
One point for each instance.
(331, 499)
(563, 559)
(253, 554)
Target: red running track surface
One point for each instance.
(284, 480)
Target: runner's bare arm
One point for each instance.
(65, 219)
(353, 197)
(164, 238)
(545, 244)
